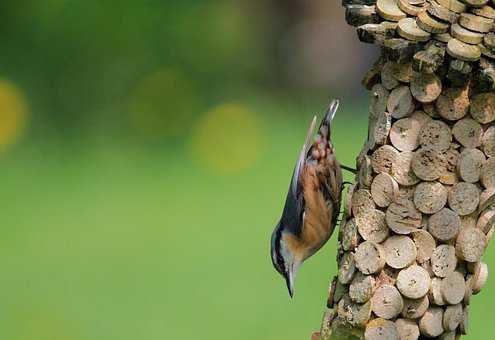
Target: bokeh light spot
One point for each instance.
(13, 113)
(227, 139)
(163, 104)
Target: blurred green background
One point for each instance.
(146, 148)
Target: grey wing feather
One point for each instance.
(302, 157)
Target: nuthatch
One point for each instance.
(312, 204)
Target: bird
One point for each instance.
(312, 204)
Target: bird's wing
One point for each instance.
(302, 158)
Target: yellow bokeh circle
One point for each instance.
(13, 113)
(227, 139)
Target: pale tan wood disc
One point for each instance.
(435, 293)
(406, 192)
(400, 102)
(427, 266)
(372, 226)
(389, 10)
(444, 225)
(402, 169)
(487, 199)
(488, 173)
(413, 282)
(384, 190)
(369, 257)
(443, 37)
(453, 5)
(442, 13)
(452, 317)
(404, 134)
(348, 199)
(485, 11)
(479, 277)
(450, 176)
(429, 164)
(486, 221)
(362, 287)
(383, 158)
(428, 23)
(464, 326)
(430, 197)
(471, 244)
(402, 217)
(463, 51)
(381, 329)
(425, 244)
(387, 302)
(489, 40)
(409, 29)
(361, 202)
(407, 7)
(435, 135)
(347, 268)
(407, 329)
(464, 198)
(388, 75)
(470, 164)
(365, 173)
(431, 323)
(468, 132)
(483, 107)
(425, 87)
(400, 252)
(379, 129)
(352, 313)
(488, 142)
(443, 260)
(379, 98)
(475, 23)
(415, 308)
(453, 288)
(465, 35)
(350, 237)
(476, 3)
(453, 103)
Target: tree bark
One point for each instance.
(421, 212)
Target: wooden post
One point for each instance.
(419, 217)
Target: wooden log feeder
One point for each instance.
(421, 213)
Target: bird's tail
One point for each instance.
(325, 129)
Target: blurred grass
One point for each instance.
(116, 241)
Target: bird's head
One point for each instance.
(284, 257)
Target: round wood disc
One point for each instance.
(379, 98)
(426, 87)
(365, 173)
(431, 323)
(444, 225)
(435, 293)
(347, 268)
(471, 244)
(429, 164)
(452, 317)
(443, 260)
(383, 158)
(442, 13)
(430, 197)
(361, 288)
(381, 329)
(407, 329)
(350, 237)
(475, 23)
(464, 326)
(488, 141)
(400, 252)
(453, 5)
(452, 157)
(379, 129)
(372, 226)
(464, 198)
(415, 308)
(463, 51)
(384, 190)
(413, 282)
(362, 202)
(453, 288)
(482, 107)
(470, 164)
(387, 302)
(407, 7)
(465, 35)
(468, 132)
(387, 75)
(389, 10)
(480, 277)
(425, 245)
(354, 314)
(487, 199)
(403, 72)
(485, 11)
(489, 40)
(435, 135)
(488, 173)
(409, 29)
(402, 217)
(402, 169)
(369, 257)
(400, 102)
(453, 103)
(428, 23)
(404, 134)
(442, 37)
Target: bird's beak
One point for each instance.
(289, 279)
